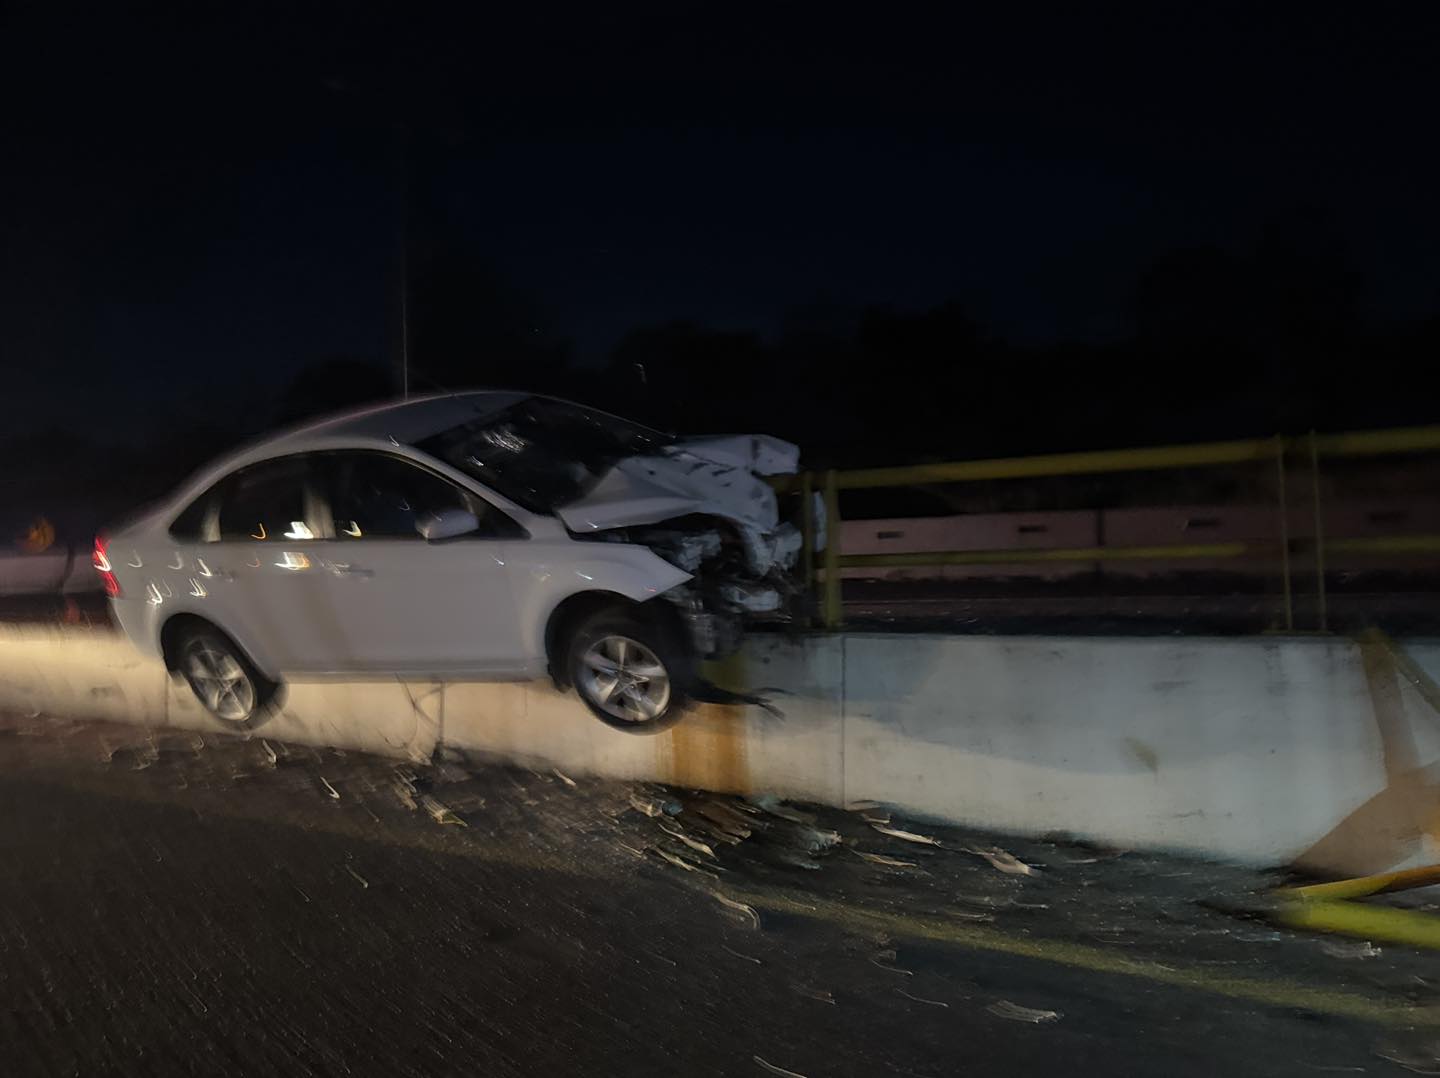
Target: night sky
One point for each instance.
(197, 205)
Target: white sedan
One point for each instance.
(491, 536)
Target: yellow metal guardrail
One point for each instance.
(1279, 450)
(1333, 907)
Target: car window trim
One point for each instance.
(323, 497)
(310, 500)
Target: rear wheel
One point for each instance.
(631, 674)
(224, 681)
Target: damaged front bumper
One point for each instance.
(736, 582)
(704, 506)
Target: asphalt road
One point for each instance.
(187, 905)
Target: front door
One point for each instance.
(404, 604)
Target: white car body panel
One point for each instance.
(470, 606)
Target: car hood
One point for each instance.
(714, 476)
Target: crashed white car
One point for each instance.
(491, 536)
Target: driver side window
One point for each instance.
(377, 496)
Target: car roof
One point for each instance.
(407, 421)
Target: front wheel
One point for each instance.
(223, 679)
(631, 674)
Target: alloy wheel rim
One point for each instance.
(219, 681)
(625, 679)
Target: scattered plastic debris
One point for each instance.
(737, 954)
(363, 881)
(405, 794)
(653, 807)
(441, 814)
(905, 836)
(1350, 949)
(1015, 1013)
(817, 840)
(679, 862)
(739, 907)
(881, 859)
(1421, 1058)
(777, 1070)
(814, 993)
(729, 821)
(677, 832)
(922, 999)
(1004, 861)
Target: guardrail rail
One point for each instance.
(824, 576)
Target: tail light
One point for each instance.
(101, 560)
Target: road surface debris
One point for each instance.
(440, 813)
(905, 836)
(1005, 861)
(881, 859)
(922, 999)
(1015, 1013)
(777, 1070)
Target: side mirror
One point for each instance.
(447, 524)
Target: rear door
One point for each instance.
(265, 582)
(405, 604)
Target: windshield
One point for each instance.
(542, 454)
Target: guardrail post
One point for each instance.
(807, 551)
(1284, 532)
(831, 610)
(1319, 534)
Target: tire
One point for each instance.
(223, 678)
(630, 673)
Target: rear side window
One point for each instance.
(191, 524)
(376, 496)
(266, 501)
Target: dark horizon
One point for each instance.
(201, 209)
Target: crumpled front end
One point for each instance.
(704, 506)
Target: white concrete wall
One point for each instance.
(1254, 749)
(1261, 749)
(91, 674)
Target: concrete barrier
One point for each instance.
(94, 674)
(1265, 750)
